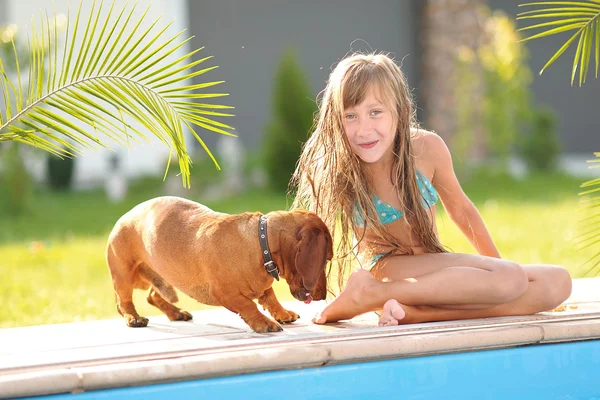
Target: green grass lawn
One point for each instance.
(52, 265)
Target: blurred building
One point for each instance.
(248, 38)
(3, 12)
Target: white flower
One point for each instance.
(8, 33)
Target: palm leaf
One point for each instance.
(591, 226)
(583, 17)
(110, 76)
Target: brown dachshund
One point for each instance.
(216, 259)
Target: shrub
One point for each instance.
(15, 182)
(500, 65)
(60, 172)
(293, 110)
(541, 147)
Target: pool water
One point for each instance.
(549, 371)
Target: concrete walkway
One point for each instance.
(94, 355)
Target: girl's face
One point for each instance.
(370, 128)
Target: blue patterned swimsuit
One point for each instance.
(388, 214)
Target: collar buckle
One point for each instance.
(272, 269)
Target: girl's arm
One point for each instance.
(459, 207)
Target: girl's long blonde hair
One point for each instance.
(330, 179)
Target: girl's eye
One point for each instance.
(376, 112)
(350, 116)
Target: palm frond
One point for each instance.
(591, 230)
(116, 79)
(583, 17)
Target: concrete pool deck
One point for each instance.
(85, 356)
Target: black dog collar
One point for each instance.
(269, 264)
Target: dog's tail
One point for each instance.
(165, 289)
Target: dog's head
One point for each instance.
(306, 257)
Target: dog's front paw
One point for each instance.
(180, 316)
(285, 316)
(264, 326)
(136, 322)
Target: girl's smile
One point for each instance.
(369, 145)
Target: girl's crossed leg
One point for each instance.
(448, 286)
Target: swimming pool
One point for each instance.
(549, 355)
(549, 371)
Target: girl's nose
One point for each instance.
(364, 127)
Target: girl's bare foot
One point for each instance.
(353, 300)
(392, 313)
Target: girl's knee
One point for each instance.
(511, 281)
(557, 284)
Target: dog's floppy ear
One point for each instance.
(313, 250)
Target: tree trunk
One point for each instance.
(447, 27)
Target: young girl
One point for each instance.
(375, 178)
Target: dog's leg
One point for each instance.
(270, 303)
(247, 309)
(124, 281)
(173, 313)
(162, 294)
